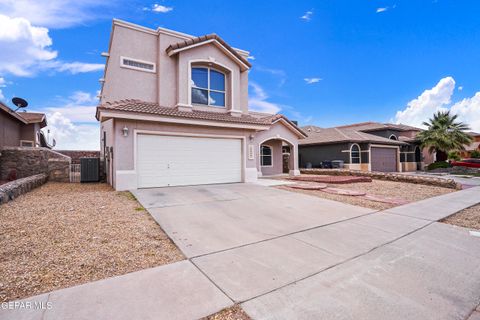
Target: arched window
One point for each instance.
(355, 153)
(266, 156)
(393, 137)
(208, 86)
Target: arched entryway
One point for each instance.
(276, 156)
(418, 157)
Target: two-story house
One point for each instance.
(366, 146)
(174, 111)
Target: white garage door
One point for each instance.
(176, 161)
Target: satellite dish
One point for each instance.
(19, 103)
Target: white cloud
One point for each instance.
(26, 50)
(55, 13)
(440, 98)
(161, 9)
(468, 111)
(425, 105)
(381, 9)
(257, 100)
(312, 80)
(251, 57)
(307, 16)
(72, 124)
(71, 136)
(80, 67)
(460, 88)
(2, 85)
(23, 46)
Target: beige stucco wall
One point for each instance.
(409, 166)
(124, 83)
(278, 131)
(169, 85)
(9, 131)
(277, 158)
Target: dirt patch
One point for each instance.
(61, 235)
(467, 218)
(407, 192)
(232, 313)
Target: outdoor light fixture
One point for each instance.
(125, 131)
(251, 137)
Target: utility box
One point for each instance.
(89, 169)
(337, 164)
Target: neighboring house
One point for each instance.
(174, 111)
(475, 145)
(367, 146)
(21, 129)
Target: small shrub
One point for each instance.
(438, 165)
(454, 155)
(475, 154)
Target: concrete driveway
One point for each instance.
(285, 255)
(212, 218)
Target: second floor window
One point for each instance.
(208, 87)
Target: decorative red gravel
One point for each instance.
(332, 179)
(344, 192)
(305, 186)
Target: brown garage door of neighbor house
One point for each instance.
(384, 159)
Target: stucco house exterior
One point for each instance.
(474, 146)
(367, 146)
(21, 129)
(174, 111)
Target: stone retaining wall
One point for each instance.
(432, 181)
(11, 190)
(22, 162)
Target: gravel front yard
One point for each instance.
(389, 189)
(467, 218)
(232, 313)
(61, 235)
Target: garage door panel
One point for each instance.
(384, 159)
(175, 161)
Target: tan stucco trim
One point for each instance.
(218, 45)
(292, 128)
(129, 116)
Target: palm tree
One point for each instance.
(444, 134)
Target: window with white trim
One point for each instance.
(208, 87)
(266, 156)
(393, 137)
(354, 154)
(137, 64)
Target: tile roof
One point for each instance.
(338, 134)
(373, 126)
(138, 106)
(32, 117)
(212, 36)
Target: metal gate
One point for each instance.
(75, 172)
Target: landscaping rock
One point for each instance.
(11, 190)
(390, 176)
(332, 179)
(304, 186)
(344, 192)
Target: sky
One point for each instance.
(324, 63)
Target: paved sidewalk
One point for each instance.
(177, 291)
